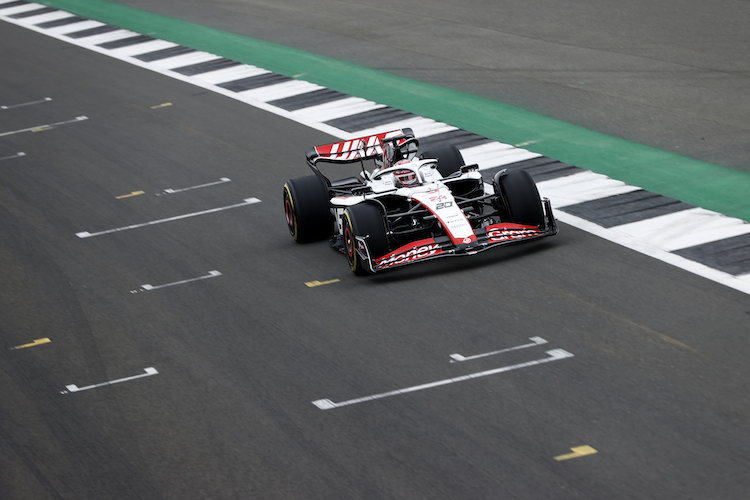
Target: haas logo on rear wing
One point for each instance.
(357, 149)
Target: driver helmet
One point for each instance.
(405, 177)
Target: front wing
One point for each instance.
(431, 248)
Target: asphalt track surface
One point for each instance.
(669, 74)
(656, 384)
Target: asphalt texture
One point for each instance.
(656, 384)
(668, 74)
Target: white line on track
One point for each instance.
(70, 28)
(229, 74)
(248, 201)
(315, 116)
(535, 341)
(211, 274)
(554, 355)
(495, 154)
(687, 228)
(26, 103)
(17, 155)
(170, 62)
(21, 8)
(47, 16)
(142, 48)
(110, 36)
(42, 127)
(220, 181)
(648, 248)
(581, 187)
(74, 388)
(281, 90)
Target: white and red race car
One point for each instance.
(410, 209)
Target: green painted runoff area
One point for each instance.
(699, 183)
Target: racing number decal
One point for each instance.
(441, 203)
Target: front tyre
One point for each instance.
(364, 220)
(306, 207)
(521, 197)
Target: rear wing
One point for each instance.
(357, 149)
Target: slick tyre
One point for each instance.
(521, 197)
(449, 159)
(306, 208)
(363, 220)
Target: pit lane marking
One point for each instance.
(46, 99)
(248, 201)
(147, 287)
(74, 388)
(535, 341)
(31, 344)
(578, 451)
(134, 193)
(39, 128)
(315, 283)
(199, 186)
(553, 355)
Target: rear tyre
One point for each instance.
(449, 159)
(306, 207)
(521, 197)
(364, 220)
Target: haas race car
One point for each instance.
(410, 208)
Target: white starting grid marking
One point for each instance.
(211, 274)
(74, 388)
(456, 358)
(172, 191)
(553, 355)
(44, 127)
(248, 201)
(46, 99)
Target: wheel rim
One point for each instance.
(289, 213)
(351, 252)
(291, 220)
(349, 243)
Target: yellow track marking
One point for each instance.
(41, 129)
(32, 344)
(134, 193)
(578, 451)
(319, 283)
(163, 105)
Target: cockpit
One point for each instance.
(394, 154)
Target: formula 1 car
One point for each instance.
(410, 209)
